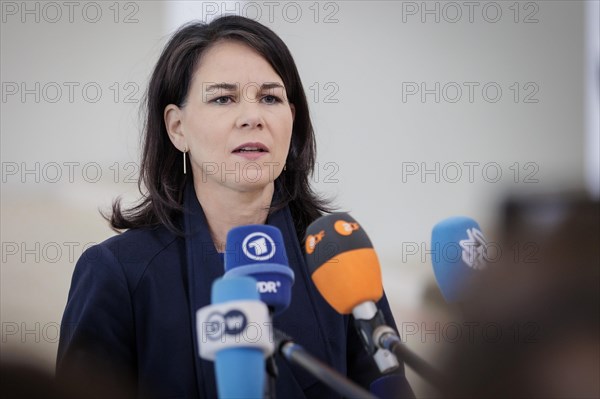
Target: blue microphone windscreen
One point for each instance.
(458, 253)
(255, 243)
(259, 251)
(391, 386)
(235, 289)
(239, 372)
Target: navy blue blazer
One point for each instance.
(131, 314)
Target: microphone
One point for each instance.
(231, 332)
(461, 256)
(391, 386)
(258, 251)
(345, 269)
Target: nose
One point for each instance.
(250, 116)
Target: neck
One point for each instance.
(225, 208)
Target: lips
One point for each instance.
(251, 148)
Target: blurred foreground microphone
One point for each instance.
(461, 253)
(223, 337)
(345, 269)
(258, 251)
(391, 386)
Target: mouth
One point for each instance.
(251, 148)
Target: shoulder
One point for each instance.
(139, 245)
(127, 255)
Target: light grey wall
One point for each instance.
(358, 61)
(592, 97)
(65, 154)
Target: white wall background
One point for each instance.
(67, 153)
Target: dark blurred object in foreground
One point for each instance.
(536, 313)
(23, 381)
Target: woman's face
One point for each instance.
(237, 122)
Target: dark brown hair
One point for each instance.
(161, 179)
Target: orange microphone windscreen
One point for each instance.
(342, 262)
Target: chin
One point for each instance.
(260, 173)
(247, 187)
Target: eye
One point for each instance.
(270, 99)
(223, 100)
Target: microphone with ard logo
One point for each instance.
(234, 332)
(258, 251)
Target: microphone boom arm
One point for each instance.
(297, 355)
(386, 338)
(382, 341)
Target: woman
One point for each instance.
(228, 141)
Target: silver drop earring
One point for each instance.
(184, 162)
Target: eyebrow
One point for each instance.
(234, 86)
(271, 85)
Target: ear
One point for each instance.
(293, 111)
(173, 122)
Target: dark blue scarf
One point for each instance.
(309, 319)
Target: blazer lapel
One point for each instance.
(204, 265)
(307, 308)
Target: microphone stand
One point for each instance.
(272, 373)
(271, 368)
(375, 334)
(297, 355)
(386, 338)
